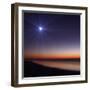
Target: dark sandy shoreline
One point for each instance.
(32, 69)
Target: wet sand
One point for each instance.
(36, 68)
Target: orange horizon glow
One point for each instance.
(50, 56)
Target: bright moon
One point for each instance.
(40, 28)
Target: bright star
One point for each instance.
(40, 28)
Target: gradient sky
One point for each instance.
(59, 37)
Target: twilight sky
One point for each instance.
(51, 35)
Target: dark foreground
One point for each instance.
(32, 69)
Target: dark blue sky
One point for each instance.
(60, 33)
